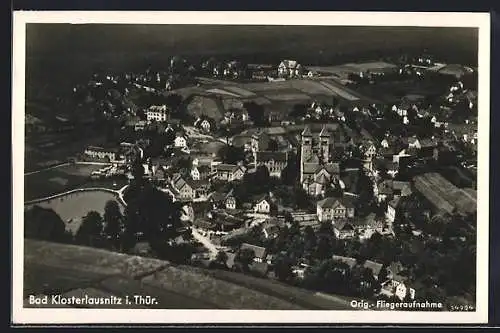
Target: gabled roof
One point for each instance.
(227, 167)
(385, 187)
(324, 132)
(332, 203)
(332, 168)
(259, 251)
(306, 132)
(373, 266)
(351, 262)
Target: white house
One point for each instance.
(157, 113)
(262, 206)
(180, 141)
(195, 173)
(289, 68)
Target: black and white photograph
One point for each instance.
(333, 166)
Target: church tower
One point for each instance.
(306, 150)
(324, 145)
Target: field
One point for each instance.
(72, 207)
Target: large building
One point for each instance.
(445, 196)
(274, 161)
(157, 113)
(317, 171)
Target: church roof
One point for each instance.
(324, 132)
(306, 131)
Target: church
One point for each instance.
(317, 171)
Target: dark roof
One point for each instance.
(277, 156)
(331, 203)
(226, 167)
(259, 251)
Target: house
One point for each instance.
(397, 284)
(275, 162)
(384, 190)
(157, 112)
(195, 173)
(262, 205)
(101, 153)
(368, 226)
(230, 201)
(216, 199)
(180, 141)
(289, 68)
(392, 207)
(229, 172)
(259, 141)
(400, 188)
(331, 209)
(204, 123)
(186, 191)
(260, 253)
(343, 229)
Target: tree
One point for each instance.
(283, 268)
(290, 173)
(44, 224)
(231, 154)
(245, 258)
(255, 113)
(91, 229)
(273, 145)
(113, 220)
(221, 258)
(299, 111)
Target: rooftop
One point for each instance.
(443, 194)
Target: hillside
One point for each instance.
(51, 268)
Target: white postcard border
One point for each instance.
(22, 315)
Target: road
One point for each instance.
(211, 247)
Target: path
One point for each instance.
(66, 164)
(206, 242)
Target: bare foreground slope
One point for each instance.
(69, 270)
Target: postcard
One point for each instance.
(250, 167)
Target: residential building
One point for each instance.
(275, 162)
(180, 141)
(107, 154)
(230, 201)
(195, 173)
(392, 207)
(344, 229)
(262, 205)
(157, 113)
(289, 69)
(331, 209)
(184, 189)
(229, 172)
(204, 123)
(260, 253)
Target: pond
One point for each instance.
(71, 207)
